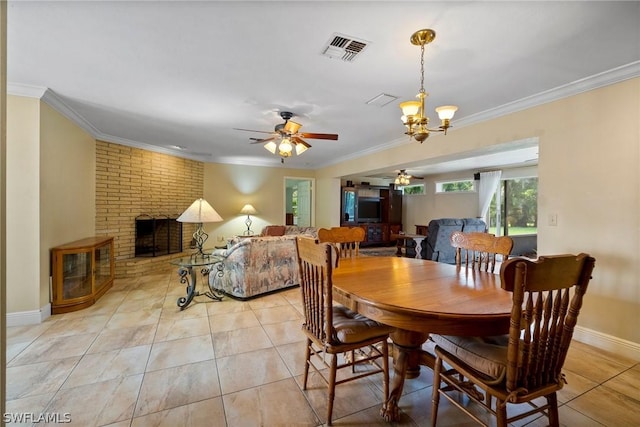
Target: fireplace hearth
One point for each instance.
(157, 236)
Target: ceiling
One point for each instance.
(167, 74)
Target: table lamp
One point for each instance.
(248, 210)
(199, 212)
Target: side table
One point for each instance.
(187, 265)
(402, 238)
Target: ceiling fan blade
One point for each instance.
(261, 141)
(292, 127)
(298, 140)
(331, 136)
(252, 130)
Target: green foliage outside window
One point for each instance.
(413, 189)
(519, 206)
(457, 186)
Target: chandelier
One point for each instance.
(413, 113)
(403, 178)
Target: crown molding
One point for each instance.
(28, 91)
(56, 102)
(606, 78)
(596, 81)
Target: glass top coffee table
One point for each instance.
(209, 263)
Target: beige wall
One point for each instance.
(23, 204)
(67, 187)
(588, 175)
(50, 196)
(229, 187)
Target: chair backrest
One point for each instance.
(346, 239)
(316, 270)
(480, 249)
(542, 317)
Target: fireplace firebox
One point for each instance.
(156, 236)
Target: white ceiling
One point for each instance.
(160, 74)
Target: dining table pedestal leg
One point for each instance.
(407, 355)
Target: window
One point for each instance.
(515, 209)
(462, 186)
(412, 189)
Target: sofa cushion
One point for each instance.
(273, 230)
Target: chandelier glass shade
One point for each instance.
(413, 112)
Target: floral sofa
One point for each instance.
(254, 266)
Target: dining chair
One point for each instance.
(332, 329)
(346, 239)
(526, 364)
(480, 249)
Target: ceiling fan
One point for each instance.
(404, 178)
(287, 137)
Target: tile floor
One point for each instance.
(134, 359)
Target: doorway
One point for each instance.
(299, 201)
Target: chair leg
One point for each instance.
(435, 390)
(306, 364)
(332, 386)
(501, 413)
(552, 400)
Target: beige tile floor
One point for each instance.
(135, 359)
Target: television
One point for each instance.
(369, 210)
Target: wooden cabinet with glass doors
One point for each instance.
(81, 272)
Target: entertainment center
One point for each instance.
(377, 209)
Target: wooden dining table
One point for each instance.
(419, 297)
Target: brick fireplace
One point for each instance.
(131, 182)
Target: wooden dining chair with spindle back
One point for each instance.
(346, 239)
(332, 329)
(480, 250)
(527, 363)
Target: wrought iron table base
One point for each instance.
(188, 276)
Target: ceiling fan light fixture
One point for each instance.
(413, 112)
(285, 147)
(292, 127)
(300, 148)
(271, 147)
(403, 178)
(285, 137)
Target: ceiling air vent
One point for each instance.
(344, 47)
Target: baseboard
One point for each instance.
(31, 317)
(607, 342)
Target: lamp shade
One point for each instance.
(248, 210)
(410, 108)
(200, 211)
(271, 146)
(446, 112)
(285, 146)
(300, 148)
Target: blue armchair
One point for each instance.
(437, 245)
